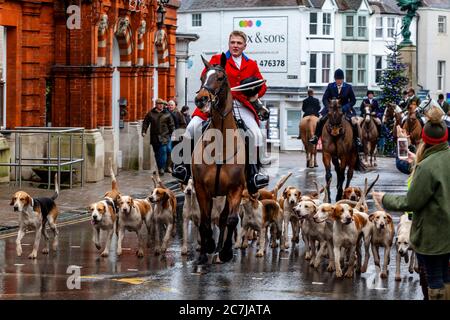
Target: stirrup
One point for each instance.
(314, 140)
(181, 173)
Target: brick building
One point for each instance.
(68, 63)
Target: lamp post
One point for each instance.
(160, 13)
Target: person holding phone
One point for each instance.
(428, 199)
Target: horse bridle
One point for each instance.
(213, 95)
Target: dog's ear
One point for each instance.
(132, 202)
(182, 187)
(371, 217)
(351, 211)
(12, 201)
(165, 196)
(389, 217)
(285, 192)
(28, 200)
(299, 195)
(333, 212)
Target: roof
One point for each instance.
(386, 6)
(438, 4)
(187, 5)
(348, 5)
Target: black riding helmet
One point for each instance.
(254, 89)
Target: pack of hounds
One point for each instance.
(334, 234)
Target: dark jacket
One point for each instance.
(311, 106)
(375, 108)
(179, 120)
(346, 97)
(427, 197)
(445, 106)
(161, 126)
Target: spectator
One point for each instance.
(428, 199)
(161, 128)
(180, 123)
(187, 116)
(444, 104)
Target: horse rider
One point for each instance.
(344, 92)
(376, 110)
(412, 99)
(246, 107)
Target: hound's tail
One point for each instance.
(113, 176)
(56, 194)
(280, 184)
(372, 184)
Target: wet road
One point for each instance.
(278, 275)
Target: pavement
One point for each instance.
(73, 202)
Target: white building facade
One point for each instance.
(433, 62)
(297, 45)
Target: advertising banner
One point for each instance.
(267, 41)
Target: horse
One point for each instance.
(220, 178)
(412, 125)
(338, 147)
(307, 128)
(369, 135)
(392, 117)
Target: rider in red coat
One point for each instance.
(240, 70)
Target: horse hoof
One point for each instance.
(202, 259)
(226, 255)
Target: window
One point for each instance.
(362, 68)
(391, 27)
(349, 26)
(379, 27)
(442, 24)
(326, 29)
(313, 23)
(441, 75)
(362, 27)
(378, 68)
(326, 64)
(196, 19)
(313, 68)
(348, 68)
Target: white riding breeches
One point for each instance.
(241, 112)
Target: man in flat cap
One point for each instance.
(161, 127)
(344, 92)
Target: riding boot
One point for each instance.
(255, 179)
(357, 139)
(182, 171)
(319, 127)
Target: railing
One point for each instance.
(48, 161)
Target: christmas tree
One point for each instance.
(393, 81)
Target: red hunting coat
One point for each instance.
(249, 68)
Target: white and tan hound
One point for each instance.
(34, 214)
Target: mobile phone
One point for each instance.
(402, 148)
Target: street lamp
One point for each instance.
(160, 13)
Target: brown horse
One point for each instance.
(307, 129)
(338, 147)
(223, 177)
(412, 125)
(369, 135)
(391, 118)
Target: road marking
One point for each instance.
(170, 290)
(257, 278)
(320, 283)
(131, 280)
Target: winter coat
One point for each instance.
(161, 126)
(429, 199)
(311, 106)
(346, 98)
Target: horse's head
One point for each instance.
(335, 117)
(368, 110)
(214, 84)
